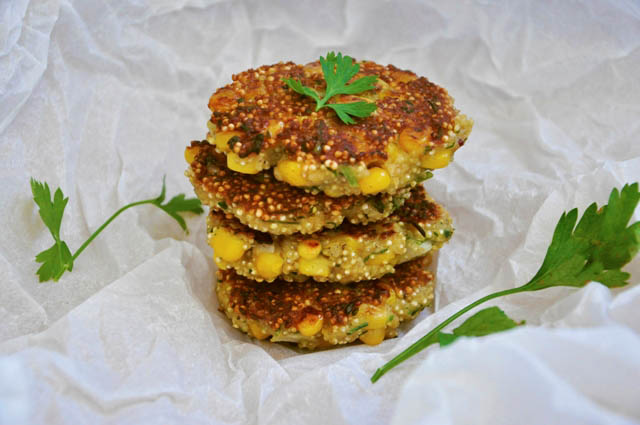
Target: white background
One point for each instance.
(100, 98)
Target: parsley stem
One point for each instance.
(432, 336)
(106, 223)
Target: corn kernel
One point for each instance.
(274, 128)
(190, 153)
(351, 243)
(392, 152)
(269, 265)
(310, 325)
(220, 262)
(333, 191)
(373, 336)
(377, 180)
(257, 331)
(412, 141)
(376, 319)
(227, 245)
(291, 172)
(248, 165)
(221, 139)
(319, 266)
(309, 249)
(439, 159)
(379, 259)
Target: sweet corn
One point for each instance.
(379, 259)
(220, 262)
(310, 325)
(227, 245)
(221, 139)
(352, 243)
(392, 152)
(190, 153)
(377, 180)
(319, 266)
(376, 319)
(439, 159)
(269, 265)
(257, 331)
(275, 128)
(248, 165)
(333, 191)
(309, 249)
(412, 141)
(291, 172)
(373, 336)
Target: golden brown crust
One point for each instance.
(418, 210)
(286, 304)
(260, 194)
(258, 98)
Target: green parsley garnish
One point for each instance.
(57, 259)
(348, 174)
(357, 328)
(280, 222)
(425, 176)
(595, 249)
(382, 251)
(377, 204)
(338, 70)
(485, 322)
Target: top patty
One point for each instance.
(260, 123)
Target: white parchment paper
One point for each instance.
(100, 98)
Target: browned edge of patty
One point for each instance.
(286, 304)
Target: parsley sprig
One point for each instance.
(58, 259)
(338, 70)
(595, 249)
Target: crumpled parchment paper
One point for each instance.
(100, 98)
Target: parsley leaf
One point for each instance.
(485, 322)
(337, 71)
(595, 249)
(178, 204)
(357, 109)
(57, 259)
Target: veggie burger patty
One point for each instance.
(349, 253)
(258, 122)
(316, 315)
(265, 204)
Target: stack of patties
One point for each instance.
(321, 230)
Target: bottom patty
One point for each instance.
(317, 315)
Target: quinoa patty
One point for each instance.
(268, 205)
(349, 253)
(316, 315)
(259, 123)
